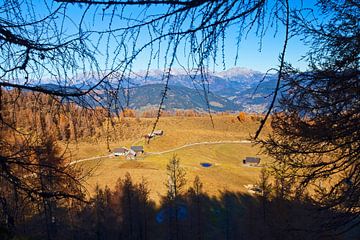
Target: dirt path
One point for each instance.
(199, 143)
(89, 159)
(167, 151)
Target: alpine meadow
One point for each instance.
(179, 119)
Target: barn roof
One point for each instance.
(120, 150)
(137, 148)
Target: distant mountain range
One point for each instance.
(237, 89)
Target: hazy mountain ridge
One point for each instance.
(236, 78)
(237, 89)
(244, 87)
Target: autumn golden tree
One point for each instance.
(241, 117)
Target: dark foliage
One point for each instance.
(127, 213)
(316, 136)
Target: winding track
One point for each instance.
(200, 143)
(88, 159)
(167, 151)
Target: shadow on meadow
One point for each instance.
(128, 213)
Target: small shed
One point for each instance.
(137, 149)
(251, 160)
(159, 132)
(122, 151)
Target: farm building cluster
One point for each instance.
(135, 151)
(131, 153)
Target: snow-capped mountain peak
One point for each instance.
(236, 71)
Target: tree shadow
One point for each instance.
(127, 213)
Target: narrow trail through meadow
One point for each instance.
(166, 151)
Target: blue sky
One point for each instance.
(250, 54)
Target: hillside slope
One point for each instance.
(178, 97)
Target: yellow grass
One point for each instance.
(227, 172)
(179, 131)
